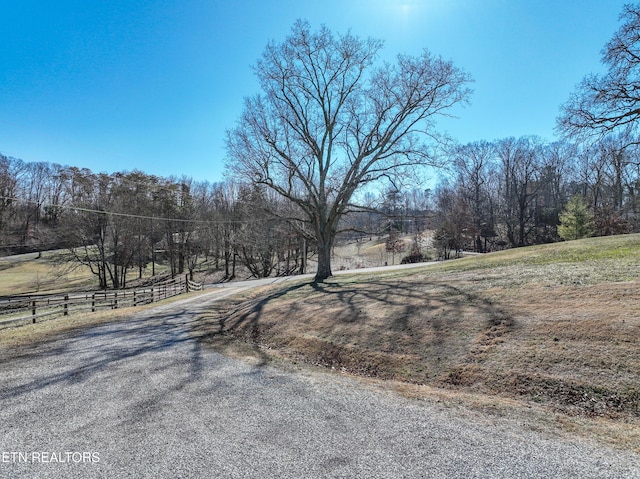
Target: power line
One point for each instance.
(126, 215)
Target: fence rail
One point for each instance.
(30, 309)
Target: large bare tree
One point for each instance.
(609, 102)
(330, 121)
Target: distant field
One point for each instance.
(49, 273)
(30, 274)
(555, 327)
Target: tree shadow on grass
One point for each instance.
(219, 326)
(386, 325)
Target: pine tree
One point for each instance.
(576, 220)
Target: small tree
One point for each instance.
(394, 244)
(576, 220)
(607, 222)
(415, 254)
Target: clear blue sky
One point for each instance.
(117, 85)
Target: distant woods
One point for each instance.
(513, 192)
(122, 224)
(495, 195)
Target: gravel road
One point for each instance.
(143, 398)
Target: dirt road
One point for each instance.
(145, 398)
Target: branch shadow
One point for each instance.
(101, 351)
(443, 322)
(216, 326)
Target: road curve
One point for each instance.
(145, 398)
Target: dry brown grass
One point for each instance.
(552, 328)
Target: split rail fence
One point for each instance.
(30, 309)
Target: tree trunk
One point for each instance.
(324, 260)
(303, 263)
(233, 265)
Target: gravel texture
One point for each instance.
(143, 398)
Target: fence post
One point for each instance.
(186, 283)
(33, 311)
(134, 298)
(93, 303)
(66, 305)
(152, 293)
(115, 300)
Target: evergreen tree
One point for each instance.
(576, 220)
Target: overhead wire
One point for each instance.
(115, 213)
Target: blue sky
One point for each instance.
(153, 85)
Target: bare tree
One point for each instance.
(521, 163)
(474, 164)
(226, 225)
(329, 122)
(8, 187)
(453, 221)
(394, 244)
(602, 104)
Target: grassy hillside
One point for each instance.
(47, 273)
(555, 326)
(553, 329)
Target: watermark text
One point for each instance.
(48, 457)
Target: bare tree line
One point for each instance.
(121, 225)
(510, 192)
(505, 193)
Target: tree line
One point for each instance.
(120, 224)
(512, 192)
(494, 195)
(330, 123)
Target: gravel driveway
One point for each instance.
(142, 398)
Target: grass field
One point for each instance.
(554, 327)
(52, 272)
(45, 273)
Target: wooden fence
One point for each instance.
(30, 309)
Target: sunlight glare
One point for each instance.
(408, 12)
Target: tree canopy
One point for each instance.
(329, 121)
